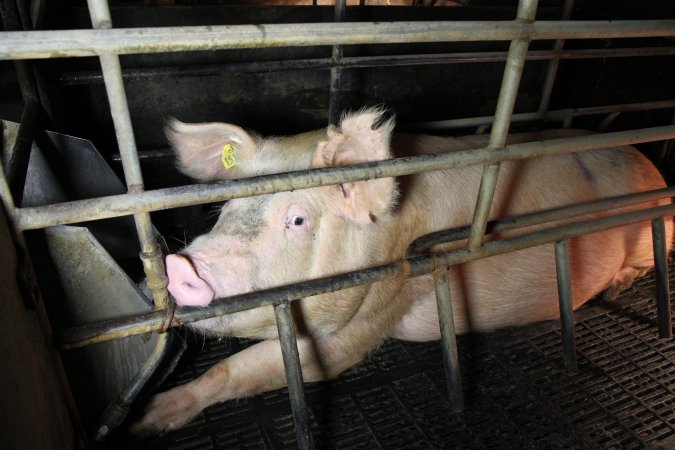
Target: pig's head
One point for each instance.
(271, 240)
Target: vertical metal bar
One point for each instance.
(17, 169)
(563, 273)
(662, 282)
(151, 254)
(448, 337)
(112, 72)
(17, 166)
(507, 99)
(117, 411)
(289, 351)
(552, 69)
(335, 106)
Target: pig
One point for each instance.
(271, 240)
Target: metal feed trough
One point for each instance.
(108, 43)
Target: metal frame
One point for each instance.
(108, 43)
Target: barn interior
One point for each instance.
(518, 392)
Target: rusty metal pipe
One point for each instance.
(559, 114)
(660, 244)
(69, 43)
(446, 322)
(205, 70)
(293, 370)
(409, 267)
(566, 304)
(151, 254)
(552, 69)
(119, 205)
(513, 71)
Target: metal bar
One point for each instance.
(334, 103)
(427, 241)
(408, 267)
(151, 254)
(203, 70)
(293, 369)
(120, 205)
(67, 43)
(566, 302)
(117, 411)
(560, 114)
(448, 337)
(18, 164)
(507, 98)
(552, 69)
(660, 242)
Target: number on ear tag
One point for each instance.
(228, 158)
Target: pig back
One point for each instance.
(520, 287)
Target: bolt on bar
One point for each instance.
(513, 70)
(67, 43)
(293, 369)
(408, 267)
(660, 242)
(120, 205)
(566, 303)
(448, 337)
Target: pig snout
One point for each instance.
(186, 286)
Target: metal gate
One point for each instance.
(108, 43)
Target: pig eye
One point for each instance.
(296, 221)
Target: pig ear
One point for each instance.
(361, 137)
(211, 151)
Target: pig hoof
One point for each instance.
(623, 280)
(167, 411)
(611, 294)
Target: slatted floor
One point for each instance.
(517, 394)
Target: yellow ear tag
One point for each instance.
(227, 158)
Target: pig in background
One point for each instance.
(272, 240)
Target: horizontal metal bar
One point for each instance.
(120, 205)
(151, 321)
(203, 70)
(409, 267)
(559, 114)
(427, 241)
(67, 43)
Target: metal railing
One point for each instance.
(108, 43)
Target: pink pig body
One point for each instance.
(272, 240)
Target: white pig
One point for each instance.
(271, 240)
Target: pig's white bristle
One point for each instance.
(377, 113)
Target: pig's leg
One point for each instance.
(256, 369)
(259, 368)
